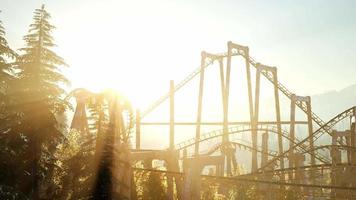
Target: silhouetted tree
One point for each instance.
(38, 98)
(9, 144)
(103, 188)
(6, 75)
(113, 167)
(6, 53)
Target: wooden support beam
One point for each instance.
(311, 139)
(222, 85)
(170, 163)
(264, 159)
(353, 142)
(200, 103)
(273, 71)
(80, 120)
(226, 109)
(278, 117)
(291, 156)
(250, 98)
(138, 129)
(171, 115)
(255, 120)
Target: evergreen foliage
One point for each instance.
(36, 99)
(6, 54)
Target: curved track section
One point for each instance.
(240, 146)
(331, 123)
(329, 147)
(246, 128)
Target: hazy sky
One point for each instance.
(138, 46)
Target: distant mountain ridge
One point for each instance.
(329, 104)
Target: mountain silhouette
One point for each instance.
(329, 104)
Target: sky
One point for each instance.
(136, 47)
(148, 43)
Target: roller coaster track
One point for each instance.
(302, 105)
(176, 88)
(242, 179)
(244, 146)
(286, 170)
(246, 128)
(240, 146)
(329, 147)
(241, 52)
(331, 123)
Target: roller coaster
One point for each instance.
(320, 165)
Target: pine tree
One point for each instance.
(6, 75)
(38, 99)
(103, 187)
(39, 65)
(6, 53)
(8, 143)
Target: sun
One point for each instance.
(131, 50)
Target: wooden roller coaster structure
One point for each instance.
(309, 164)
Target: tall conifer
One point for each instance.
(39, 97)
(7, 149)
(6, 53)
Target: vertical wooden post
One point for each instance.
(80, 120)
(353, 140)
(226, 144)
(171, 118)
(170, 192)
(336, 159)
(348, 143)
(264, 159)
(138, 129)
(311, 139)
(299, 172)
(171, 161)
(250, 103)
(200, 103)
(254, 123)
(85, 121)
(222, 82)
(195, 171)
(99, 139)
(225, 112)
(222, 85)
(335, 152)
(291, 135)
(353, 143)
(278, 118)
